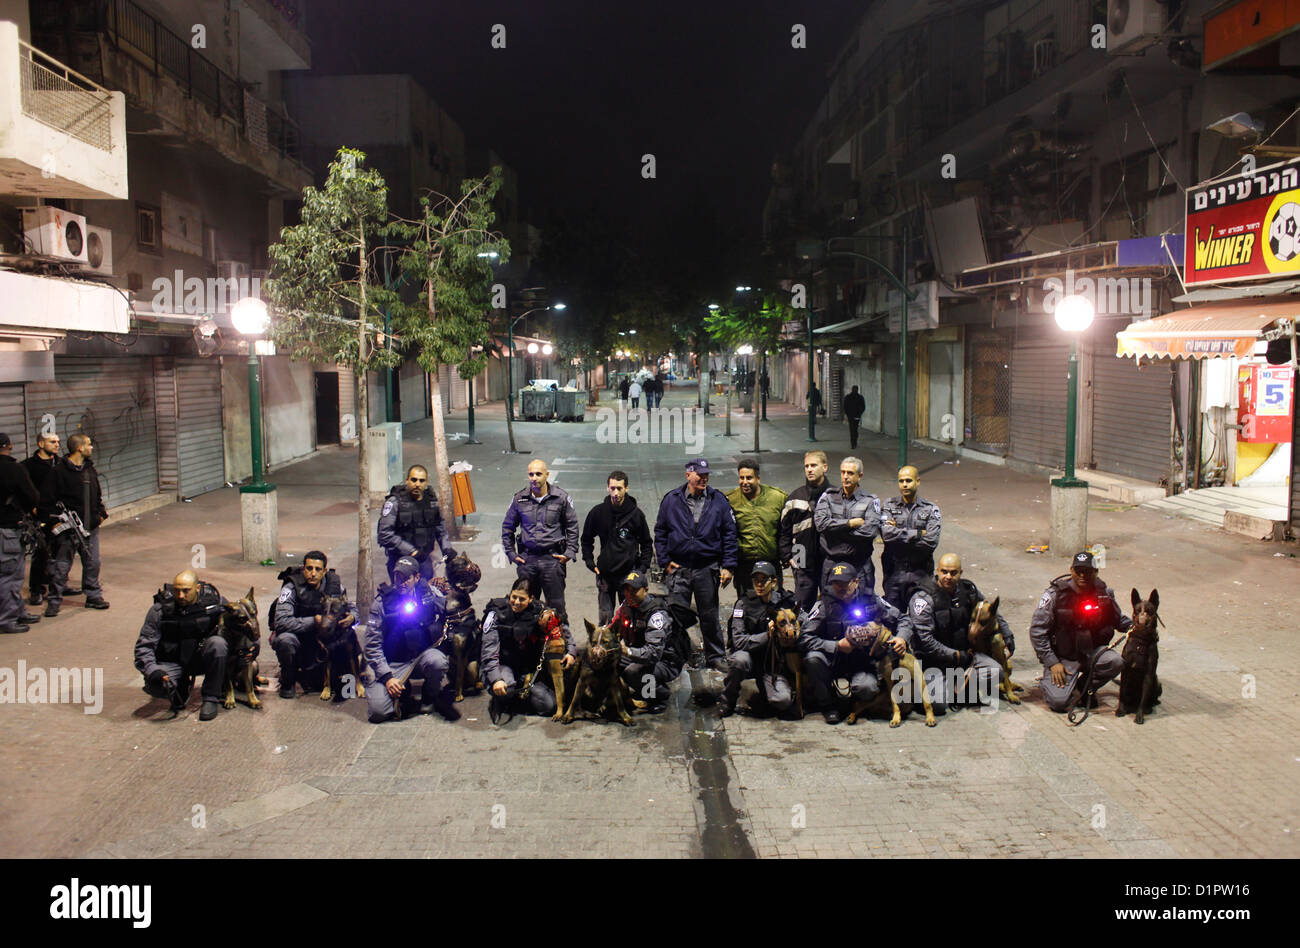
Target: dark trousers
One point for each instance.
(774, 689)
(854, 424)
(1108, 665)
(40, 573)
(209, 660)
(606, 599)
(11, 575)
(900, 582)
(806, 584)
(430, 667)
(304, 663)
(702, 583)
(61, 564)
(547, 574)
(541, 697)
(647, 683)
(864, 684)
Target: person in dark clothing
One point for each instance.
(296, 622)
(540, 531)
(797, 542)
(815, 399)
(18, 498)
(75, 484)
(179, 639)
(653, 651)
(753, 630)
(623, 388)
(854, 406)
(40, 466)
(411, 524)
(514, 636)
(625, 543)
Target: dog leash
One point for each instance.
(1073, 709)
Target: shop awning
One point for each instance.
(845, 325)
(1204, 332)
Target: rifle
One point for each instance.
(68, 524)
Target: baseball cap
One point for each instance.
(4, 441)
(699, 466)
(1083, 560)
(842, 573)
(636, 579)
(406, 566)
(764, 568)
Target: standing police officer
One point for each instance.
(548, 525)
(625, 543)
(41, 468)
(651, 646)
(296, 620)
(848, 521)
(180, 639)
(800, 549)
(909, 527)
(411, 523)
(514, 635)
(406, 624)
(75, 484)
(18, 498)
(1071, 627)
(753, 628)
(937, 624)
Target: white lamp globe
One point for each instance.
(532, 348)
(1074, 313)
(546, 350)
(250, 316)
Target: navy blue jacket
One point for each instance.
(679, 539)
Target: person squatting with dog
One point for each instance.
(514, 637)
(540, 532)
(411, 524)
(295, 626)
(20, 501)
(936, 624)
(1070, 631)
(407, 620)
(695, 542)
(757, 508)
(797, 540)
(653, 653)
(625, 543)
(848, 522)
(753, 644)
(180, 638)
(909, 528)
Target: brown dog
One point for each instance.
(786, 655)
(985, 638)
(241, 630)
(337, 637)
(875, 638)
(554, 650)
(1139, 688)
(599, 682)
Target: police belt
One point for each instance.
(557, 548)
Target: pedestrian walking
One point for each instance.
(854, 406)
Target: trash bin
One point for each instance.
(462, 494)
(571, 405)
(537, 405)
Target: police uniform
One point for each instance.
(18, 497)
(754, 654)
(512, 648)
(77, 487)
(910, 534)
(548, 525)
(410, 527)
(41, 470)
(1070, 626)
(822, 628)
(181, 642)
(841, 543)
(936, 625)
(401, 639)
(294, 629)
(653, 646)
(797, 541)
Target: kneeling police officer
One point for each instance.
(296, 621)
(753, 630)
(652, 649)
(514, 636)
(181, 638)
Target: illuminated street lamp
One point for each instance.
(251, 319)
(1069, 495)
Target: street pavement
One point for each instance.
(1212, 773)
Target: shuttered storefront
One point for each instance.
(13, 420)
(200, 452)
(1038, 366)
(1131, 416)
(112, 400)
(1295, 468)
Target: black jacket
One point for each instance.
(78, 489)
(854, 405)
(797, 527)
(18, 495)
(624, 535)
(41, 471)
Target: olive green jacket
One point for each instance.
(757, 522)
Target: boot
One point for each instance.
(209, 711)
(287, 682)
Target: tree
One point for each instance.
(450, 320)
(753, 322)
(324, 290)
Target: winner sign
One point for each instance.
(1245, 227)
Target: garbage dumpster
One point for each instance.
(537, 405)
(571, 405)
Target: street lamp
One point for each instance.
(1069, 508)
(251, 319)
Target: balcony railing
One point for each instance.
(64, 99)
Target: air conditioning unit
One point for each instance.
(99, 250)
(1044, 55)
(54, 232)
(1133, 25)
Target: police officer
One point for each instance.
(75, 484)
(653, 652)
(18, 499)
(848, 522)
(909, 527)
(406, 623)
(1073, 623)
(180, 639)
(296, 620)
(41, 468)
(936, 625)
(827, 650)
(695, 541)
(753, 628)
(514, 634)
(544, 516)
(411, 523)
(625, 543)
(797, 541)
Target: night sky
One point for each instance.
(583, 89)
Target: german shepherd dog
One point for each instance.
(336, 637)
(599, 683)
(985, 638)
(786, 656)
(462, 642)
(242, 632)
(1139, 688)
(874, 637)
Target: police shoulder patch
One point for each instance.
(658, 620)
(285, 593)
(1046, 600)
(738, 611)
(489, 620)
(920, 605)
(388, 507)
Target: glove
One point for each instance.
(156, 677)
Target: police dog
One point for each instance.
(462, 641)
(874, 637)
(985, 638)
(1139, 688)
(553, 651)
(336, 637)
(786, 655)
(242, 632)
(599, 682)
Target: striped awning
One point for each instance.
(1204, 332)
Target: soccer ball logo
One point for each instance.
(1284, 233)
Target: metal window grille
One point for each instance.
(63, 99)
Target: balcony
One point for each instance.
(61, 135)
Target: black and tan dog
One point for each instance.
(463, 635)
(785, 654)
(599, 682)
(1139, 688)
(875, 638)
(242, 632)
(337, 639)
(985, 638)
